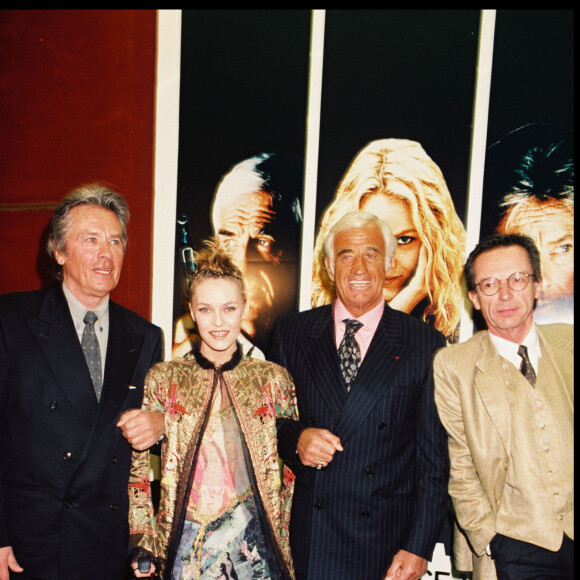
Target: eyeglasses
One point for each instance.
(518, 281)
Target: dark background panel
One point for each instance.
(533, 70)
(398, 73)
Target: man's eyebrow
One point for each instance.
(344, 251)
(223, 232)
(563, 238)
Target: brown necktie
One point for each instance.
(526, 367)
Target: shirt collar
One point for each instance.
(78, 309)
(509, 349)
(369, 319)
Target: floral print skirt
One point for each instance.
(232, 547)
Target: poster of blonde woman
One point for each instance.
(396, 180)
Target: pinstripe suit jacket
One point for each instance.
(387, 490)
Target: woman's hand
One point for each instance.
(416, 288)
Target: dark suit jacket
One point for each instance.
(64, 465)
(388, 489)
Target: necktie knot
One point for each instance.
(90, 317)
(526, 367)
(352, 326)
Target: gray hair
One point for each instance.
(93, 194)
(359, 219)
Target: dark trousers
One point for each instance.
(517, 560)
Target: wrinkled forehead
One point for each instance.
(536, 217)
(250, 204)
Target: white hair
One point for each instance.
(243, 179)
(359, 219)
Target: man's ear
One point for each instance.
(328, 270)
(538, 292)
(474, 298)
(59, 257)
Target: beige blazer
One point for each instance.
(473, 408)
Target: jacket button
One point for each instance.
(317, 507)
(68, 504)
(67, 455)
(369, 471)
(365, 514)
(52, 405)
(382, 425)
(114, 460)
(114, 507)
(311, 420)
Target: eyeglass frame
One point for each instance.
(500, 280)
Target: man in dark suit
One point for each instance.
(369, 452)
(64, 465)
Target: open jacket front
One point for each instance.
(260, 393)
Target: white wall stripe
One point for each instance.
(165, 181)
(478, 147)
(311, 156)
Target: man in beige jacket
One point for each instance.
(510, 433)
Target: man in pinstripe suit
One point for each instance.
(370, 460)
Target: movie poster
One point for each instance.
(529, 167)
(395, 141)
(395, 138)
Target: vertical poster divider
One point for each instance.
(478, 148)
(311, 156)
(166, 161)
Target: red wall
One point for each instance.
(77, 95)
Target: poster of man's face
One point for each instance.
(257, 215)
(529, 183)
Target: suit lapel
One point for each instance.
(489, 379)
(123, 351)
(560, 352)
(385, 355)
(319, 352)
(56, 337)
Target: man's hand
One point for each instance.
(406, 566)
(8, 562)
(141, 428)
(316, 447)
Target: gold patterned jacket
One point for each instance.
(182, 389)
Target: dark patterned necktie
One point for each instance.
(526, 367)
(349, 352)
(92, 351)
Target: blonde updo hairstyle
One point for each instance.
(215, 262)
